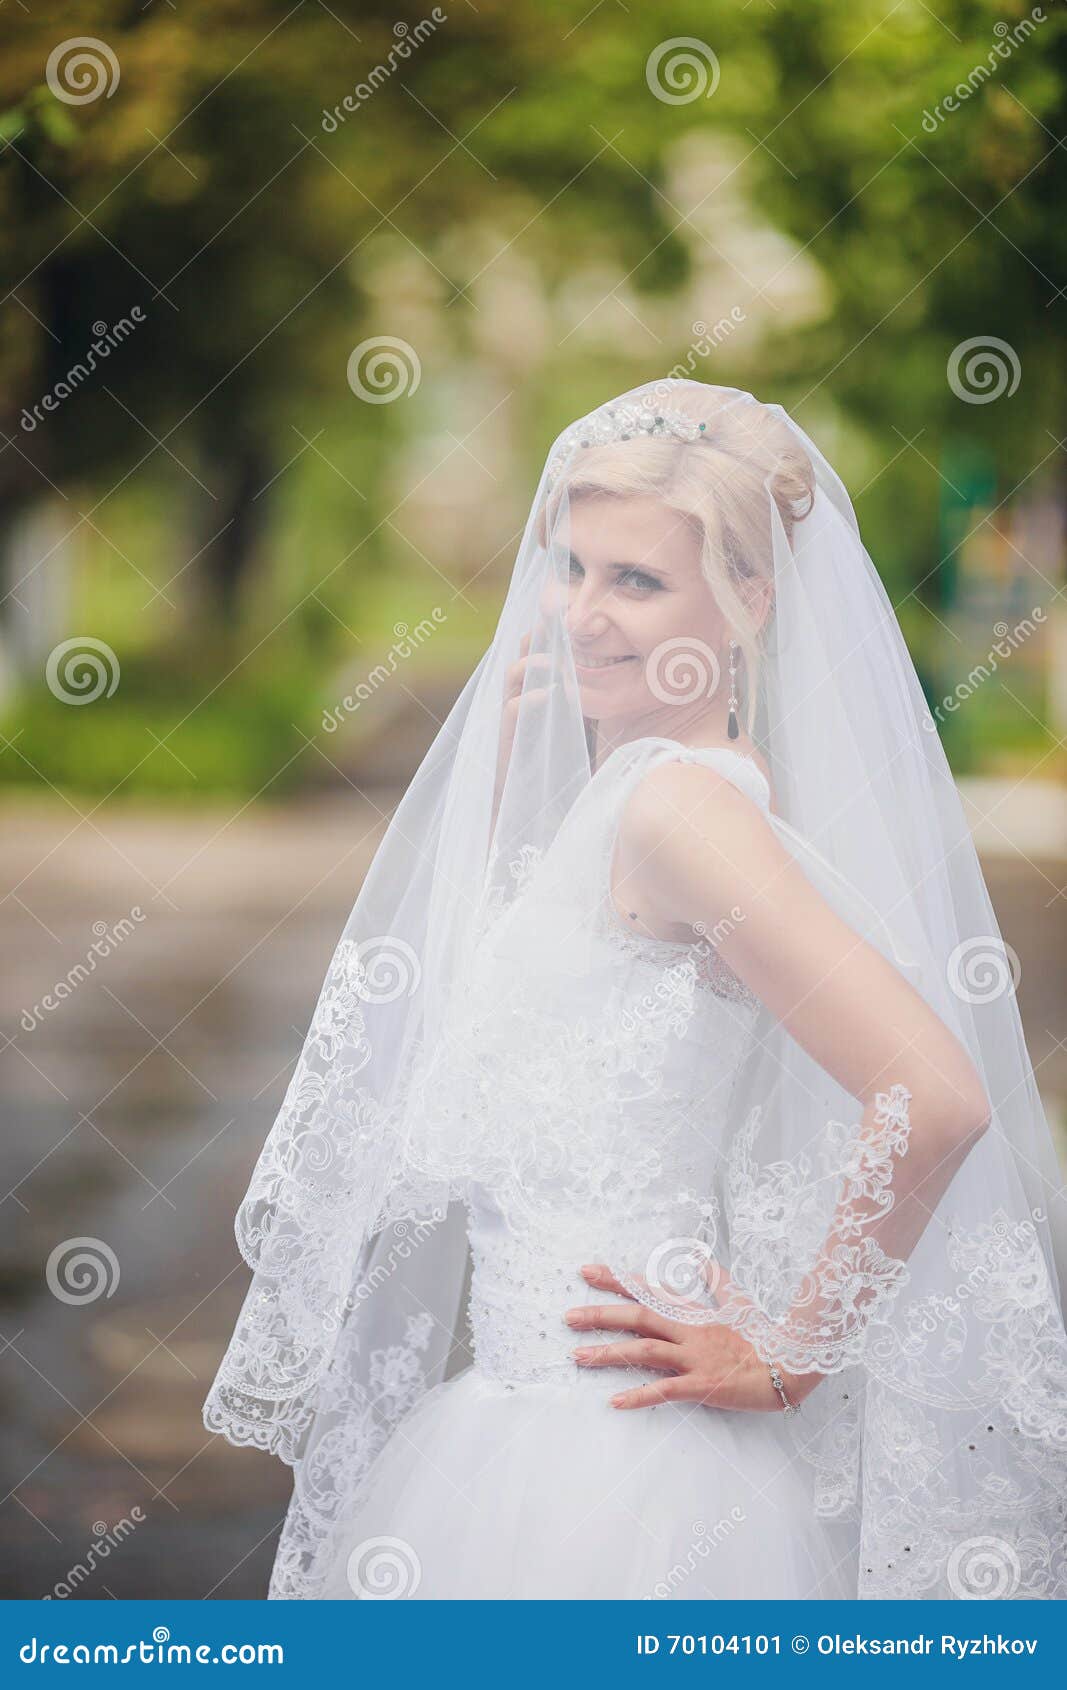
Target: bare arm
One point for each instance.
(705, 849)
(699, 852)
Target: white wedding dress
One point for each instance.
(517, 1477)
(502, 1076)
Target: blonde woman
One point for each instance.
(657, 1209)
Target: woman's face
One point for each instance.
(644, 626)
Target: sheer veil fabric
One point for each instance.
(441, 1061)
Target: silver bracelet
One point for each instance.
(776, 1381)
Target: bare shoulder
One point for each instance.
(678, 802)
(693, 845)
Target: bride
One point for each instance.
(660, 1205)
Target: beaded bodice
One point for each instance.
(614, 1172)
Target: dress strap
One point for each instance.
(735, 766)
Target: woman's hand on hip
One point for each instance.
(701, 1362)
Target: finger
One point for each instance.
(520, 707)
(517, 672)
(532, 695)
(661, 1390)
(640, 1352)
(600, 1275)
(611, 1317)
(603, 1278)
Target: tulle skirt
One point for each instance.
(542, 1491)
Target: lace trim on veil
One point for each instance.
(322, 1192)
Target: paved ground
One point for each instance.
(133, 1113)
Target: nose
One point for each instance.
(586, 615)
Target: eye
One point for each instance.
(640, 581)
(576, 569)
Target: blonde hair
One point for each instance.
(719, 485)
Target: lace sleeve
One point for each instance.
(817, 1244)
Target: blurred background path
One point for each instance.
(140, 1104)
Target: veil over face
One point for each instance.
(673, 522)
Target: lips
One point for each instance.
(601, 662)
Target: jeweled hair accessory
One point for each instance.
(621, 422)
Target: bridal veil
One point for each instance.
(940, 1430)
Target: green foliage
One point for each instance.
(220, 455)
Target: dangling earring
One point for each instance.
(732, 729)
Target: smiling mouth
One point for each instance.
(601, 662)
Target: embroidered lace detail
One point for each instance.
(310, 1207)
(1008, 1541)
(580, 1103)
(807, 1310)
(709, 970)
(358, 1423)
